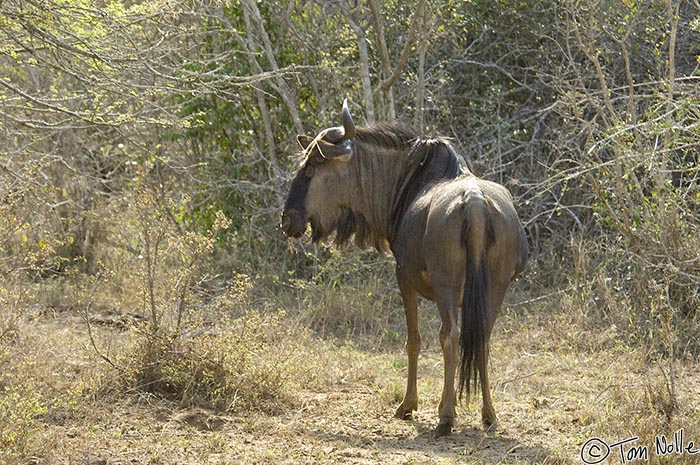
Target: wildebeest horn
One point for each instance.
(348, 124)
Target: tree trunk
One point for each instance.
(367, 96)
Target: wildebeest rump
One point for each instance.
(456, 238)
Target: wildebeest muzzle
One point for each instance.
(293, 223)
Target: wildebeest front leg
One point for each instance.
(449, 337)
(413, 345)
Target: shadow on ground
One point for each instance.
(466, 444)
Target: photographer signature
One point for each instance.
(596, 450)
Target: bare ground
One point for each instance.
(554, 388)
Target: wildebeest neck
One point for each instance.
(430, 161)
(388, 179)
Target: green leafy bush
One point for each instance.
(20, 407)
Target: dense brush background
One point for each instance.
(146, 149)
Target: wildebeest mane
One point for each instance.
(388, 136)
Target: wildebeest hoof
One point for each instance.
(443, 429)
(488, 419)
(403, 414)
(489, 424)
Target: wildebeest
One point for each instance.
(456, 238)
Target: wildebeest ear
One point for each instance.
(341, 152)
(304, 140)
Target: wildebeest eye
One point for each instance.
(309, 171)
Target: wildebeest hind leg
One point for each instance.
(488, 413)
(496, 295)
(450, 330)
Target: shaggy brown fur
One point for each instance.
(456, 238)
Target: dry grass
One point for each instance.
(263, 389)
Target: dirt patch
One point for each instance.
(345, 426)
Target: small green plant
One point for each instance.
(20, 406)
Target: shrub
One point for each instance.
(251, 362)
(20, 406)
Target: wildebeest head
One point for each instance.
(317, 195)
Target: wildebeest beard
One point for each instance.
(347, 224)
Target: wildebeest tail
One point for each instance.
(478, 237)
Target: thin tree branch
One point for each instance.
(403, 58)
(251, 9)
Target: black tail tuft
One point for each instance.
(474, 331)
